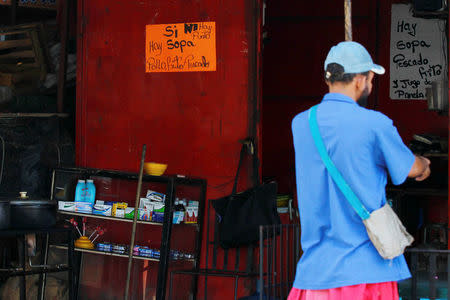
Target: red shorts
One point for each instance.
(370, 291)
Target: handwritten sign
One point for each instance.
(180, 47)
(417, 53)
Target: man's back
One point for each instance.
(364, 145)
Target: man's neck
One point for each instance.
(346, 90)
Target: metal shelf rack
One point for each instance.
(171, 183)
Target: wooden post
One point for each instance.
(348, 20)
(13, 12)
(133, 231)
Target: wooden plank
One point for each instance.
(23, 27)
(17, 67)
(19, 54)
(29, 75)
(15, 43)
(6, 79)
(38, 53)
(34, 115)
(11, 32)
(10, 79)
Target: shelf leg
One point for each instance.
(165, 242)
(44, 261)
(22, 258)
(70, 250)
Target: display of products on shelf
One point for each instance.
(108, 228)
(66, 206)
(102, 209)
(90, 191)
(178, 255)
(145, 251)
(142, 251)
(114, 248)
(185, 211)
(83, 207)
(155, 196)
(80, 191)
(151, 208)
(191, 212)
(85, 191)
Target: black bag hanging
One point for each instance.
(239, 215)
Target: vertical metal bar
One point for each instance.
(70, 249)
(275, 259)
(274, 263)
(448, 275)
(290, 250)
(79, 272)
(281, 248)
(238, 258)
(414, 275)
(250, 267)
(133, 231)
(44, 275)
(61, 84)
(348, 19)
(170, 285)
(198, 245)
(267, 262)
(254, 94)
(297, 244)
(225, 259)
(432, 275)
(165, 241)
(235, 287)
(261, 263)
(216, 242)
(22, 256)
(288, 245)
(52, 194)
(208, 222)
(41, 261)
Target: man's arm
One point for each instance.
(420, 169)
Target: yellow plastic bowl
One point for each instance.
(155, 169)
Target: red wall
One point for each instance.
(299, 36)
(191, 120)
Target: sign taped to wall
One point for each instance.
(418, 53)
(180, 47)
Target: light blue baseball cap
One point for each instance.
(353, 57)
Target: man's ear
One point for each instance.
(360, 82)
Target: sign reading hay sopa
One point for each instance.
(418, 53)
(180, 47)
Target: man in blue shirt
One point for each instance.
(339, 261)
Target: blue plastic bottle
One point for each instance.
(90, 191)
(79, 191)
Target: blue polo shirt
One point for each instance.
(364, 145)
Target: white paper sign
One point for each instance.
(418, 53)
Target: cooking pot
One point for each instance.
(33, 213)
(25, 212)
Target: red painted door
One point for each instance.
(190, 120)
